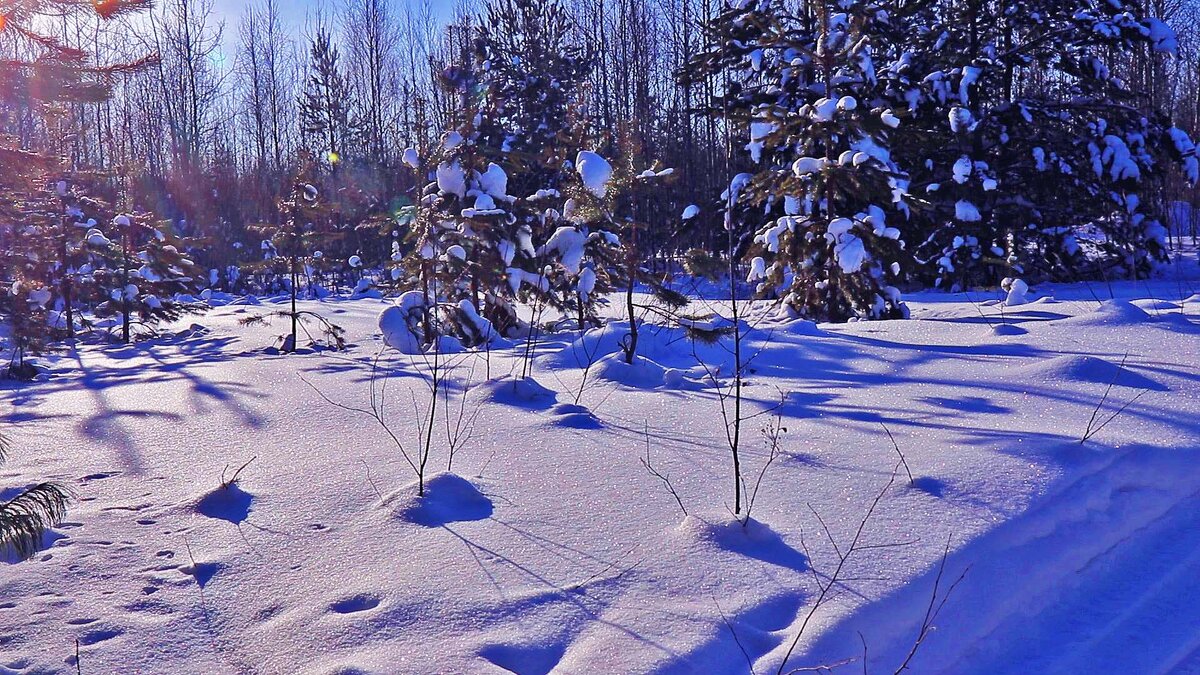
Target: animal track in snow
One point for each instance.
(99, 635)
(355, 603)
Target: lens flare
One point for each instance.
(105, 8)
(333, 157)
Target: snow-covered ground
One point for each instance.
(551, 547)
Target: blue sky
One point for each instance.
(295, 11)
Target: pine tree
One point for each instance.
(292, 249)
(1029, 157)
(500, 173)
(26, 259)
(511, 215)
(25, 517)
(325, 104)
(79, 245)
(144, 274)
(821, 176)
(35, 236)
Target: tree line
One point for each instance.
(549, 151)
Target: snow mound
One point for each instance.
(519, 392)
(1157, 306)
(572, 416)
(752, 539)
(1111, 313)
(226, 503)
(1008, 330)
(448, 498)
(801, 327)
(641, 374)
(1076, 368)
(598, 343)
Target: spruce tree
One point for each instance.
(325, 104)
(821, 193)
(145, 276)
(499, 175)
(292, 249)
(40, 82)
(1029, 156)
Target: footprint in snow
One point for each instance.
(525, 659)
(355, 603)
(99, 635)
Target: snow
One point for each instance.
(962, 169)
(807, 165)
(595, 171)
(95, 237)
(691, 212)
(568, 242)
(494, 182)
(824, 109)
(1018, 292)
(451, 179)
(547, 546)
(586, 283)
(396, 323)
(966, 211)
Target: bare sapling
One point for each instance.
(827, 582)
(377, 411)
(772, 434)
(232, 480)
(459, 415)
(665, 479)
(1097, 421)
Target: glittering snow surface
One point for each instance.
(547, 546)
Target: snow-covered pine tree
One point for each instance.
(292, 249)
(80, 248)
(499, 174)
(532, 64)
(821, 192)
(40, 76)
(570, 199)
(1028, 156)
(145, 276)
(598, 249)
(27, 251)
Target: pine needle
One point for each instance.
(25, 518)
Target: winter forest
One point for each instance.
(599, 336)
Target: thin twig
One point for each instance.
(896, 445)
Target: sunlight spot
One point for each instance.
(105, 8)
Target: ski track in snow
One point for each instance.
(551, 549)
